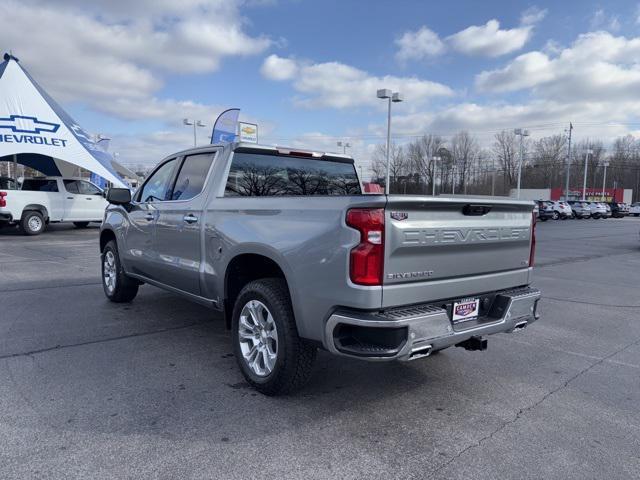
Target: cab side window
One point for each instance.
(87, 188)
(158, 186)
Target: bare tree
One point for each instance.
(397, 164)
(549, 154)
(421, 153)
(464, 151)
(505, 149)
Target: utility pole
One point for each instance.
(566, 188)
(604, 178)
(586, 165)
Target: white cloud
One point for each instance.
(597, 67)
(532, 15)
(420, 44)
(601, 20)
(489, 40)
(337, 85)
(278, 68)
(525, 71)
(109, 50)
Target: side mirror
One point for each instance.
(119, 196)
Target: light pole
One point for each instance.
(395, 97)
(195, 123)
(586, 165)
(344, 146)
(433, 175)
(604, 178)
(522, 133)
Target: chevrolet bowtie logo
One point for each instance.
(24, 124)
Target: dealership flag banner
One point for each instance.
(224, 130)
(31, 122)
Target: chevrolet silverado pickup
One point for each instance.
(288, 248)
(41, 200)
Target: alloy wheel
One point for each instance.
(258, 336)
(109, 271)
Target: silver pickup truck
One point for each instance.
(297, 258)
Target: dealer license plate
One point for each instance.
(465, 310)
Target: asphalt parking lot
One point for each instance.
(90, 389)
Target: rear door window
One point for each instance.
(256, 175)
(72, 186)
(40, 185)
(192, 175)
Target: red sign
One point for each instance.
(591, 194)
(370, 187)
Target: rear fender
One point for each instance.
(38, 208)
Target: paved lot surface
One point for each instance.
(90, 389)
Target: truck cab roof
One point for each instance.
(279, 150)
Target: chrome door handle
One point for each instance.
(190, 218)
(69, 198)
(89, 198)
(149, 216)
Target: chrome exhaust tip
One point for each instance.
(420, 352)
(520, 326)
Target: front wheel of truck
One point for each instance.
(270, 354)
(117, 286)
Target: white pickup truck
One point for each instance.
(42, 200)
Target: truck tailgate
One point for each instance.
(441, 247)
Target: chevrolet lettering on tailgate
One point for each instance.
(464, 235)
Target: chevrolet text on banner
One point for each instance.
(31, 122)
(224, 129)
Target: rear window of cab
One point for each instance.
(258, 175)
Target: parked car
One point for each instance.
(42, 200)
(634, 209)
(288, 247)
(598, 210)
(618, 209)
(608, 213)
(580, 209)
(545, 210)
(561, 210)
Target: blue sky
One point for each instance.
(306, 71)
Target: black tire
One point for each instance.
(32, 223)
(294, 356)
(81, 224)
(125, 288)
(556, 215)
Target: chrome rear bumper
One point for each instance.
(425, 328)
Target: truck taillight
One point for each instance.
(366, 264)
(532, 252)
(3, 199)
